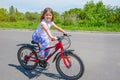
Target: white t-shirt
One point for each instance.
(40, 31)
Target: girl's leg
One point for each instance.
(44, 45)
(38, 39)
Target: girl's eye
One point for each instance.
(48, 15)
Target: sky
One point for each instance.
(57, 5)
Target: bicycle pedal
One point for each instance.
(44, 64)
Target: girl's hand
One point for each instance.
(65, 33)
(53, 38)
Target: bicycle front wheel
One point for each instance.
(75, 70)
(25, 59)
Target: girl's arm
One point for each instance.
(59, 29)
(48, 32)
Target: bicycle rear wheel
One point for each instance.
(76, 69)
(24, 59)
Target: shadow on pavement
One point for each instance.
(35, 72)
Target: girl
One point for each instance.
(42, 33)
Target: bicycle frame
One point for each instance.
(57, 46)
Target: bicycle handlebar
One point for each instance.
(60, 38)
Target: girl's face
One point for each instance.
(48, 16)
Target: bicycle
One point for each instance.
(66, 60)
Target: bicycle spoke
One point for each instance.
(74, 69)
(27, 58)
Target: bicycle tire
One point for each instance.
(63, 73)
(21, 54)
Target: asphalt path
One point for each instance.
(99, 51)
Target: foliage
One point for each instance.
(3, 14)
(93, 16)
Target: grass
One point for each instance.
(18, 25)
(33, 25)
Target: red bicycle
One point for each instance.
(68, 64)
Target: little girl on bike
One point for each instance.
(42, 33)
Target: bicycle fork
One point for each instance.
(66, 60)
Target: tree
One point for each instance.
(31, 16)
(19, 15)
(58, 18)
(3, 14)
(96, 13)
(73, 16)
(12, 17)
(118, 14)
(11, 10)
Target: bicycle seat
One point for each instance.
(33, 42)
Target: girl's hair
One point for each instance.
(44, 12)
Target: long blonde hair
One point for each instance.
(44, 12)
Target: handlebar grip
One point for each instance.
(65, 34)
(62, 37)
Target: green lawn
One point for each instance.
(33, 25)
